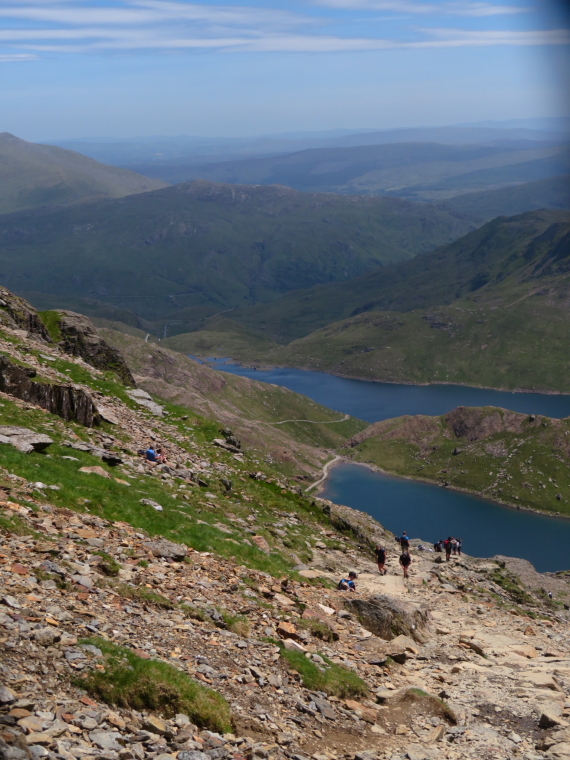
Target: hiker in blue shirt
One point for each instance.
(348, 584)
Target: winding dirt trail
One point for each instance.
(325, 471)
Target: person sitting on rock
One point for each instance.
(405, 562)
(438, 546)
(150, 455)
(348, 584)
(160, 456)
(380, 552)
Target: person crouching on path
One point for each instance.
(380, 553)
(405, 562)
(348, 584)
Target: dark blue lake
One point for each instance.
(431, 512)
(423, 510)
(380, 401)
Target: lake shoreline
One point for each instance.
(332, 464)
(268, 367)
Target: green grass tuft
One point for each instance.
(145, 595)
(51, 320)
(335, 681)
(108, 565)
(132, 682)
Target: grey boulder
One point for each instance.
(387, 618)
(167, 549)
(24, 439)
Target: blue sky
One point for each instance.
(71, 68)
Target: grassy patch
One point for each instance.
(318, 629)
(236, 623)
(195, 613)
(336, 680)
(51, 320)
(133, 682)
(145, 595)
(13, 524)
(108, 565)
(509, 583)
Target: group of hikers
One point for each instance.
(450, 546)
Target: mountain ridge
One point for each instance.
(205, 247)
(33, 175)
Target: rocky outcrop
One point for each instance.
(167, 549)
(17, 313)
(24, 439)
(476, 423)
(80, 338)
(387, 617)
(67, 401)
(142, 398)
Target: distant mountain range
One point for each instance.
(432, 172)
(191, 149)
(34, 175)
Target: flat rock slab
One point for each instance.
(24, 439)
(142, 398)
(167, 549)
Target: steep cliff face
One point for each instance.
(80, 338)
(17, 313)
(67, 401)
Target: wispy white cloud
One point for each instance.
(85, 26)
(16, 57)
(475, 9)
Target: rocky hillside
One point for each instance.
(189, 611)
(512, 458)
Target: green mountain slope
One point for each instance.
(481, 259)
(551, 193)
(34, 175)
(506, 323)
(419, 171)
(196, 249)
(516, 459)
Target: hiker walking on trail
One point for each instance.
(405, 562)
(404, 542)
(454, 546)
(447, 547)
(458, 543)
(380, 553)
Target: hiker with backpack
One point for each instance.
(380, 552)
(458, 544)
(405, 562)
(447, 547)
(348, 584)
(404, 541)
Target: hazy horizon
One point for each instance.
(162, 67)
